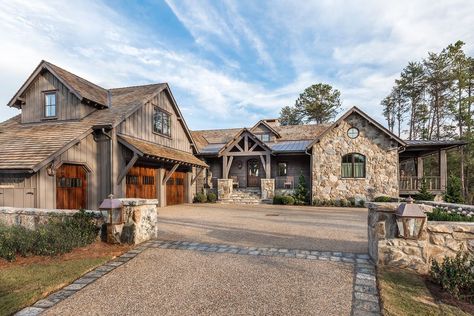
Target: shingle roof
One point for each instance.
(162, 152)
(25, 146)
(422, 142)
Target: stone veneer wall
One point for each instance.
(381, 162)
(437, 240)
(268, 188)
(30, 218)
(224, 188)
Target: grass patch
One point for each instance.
(406, 293)
(21, 286)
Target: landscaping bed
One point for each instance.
(406, 293)
(28, 279)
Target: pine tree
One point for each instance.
(301, 192)
(389, 111)
(319, 103)
(290, 116)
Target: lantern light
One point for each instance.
(114, 207)
(410, 219)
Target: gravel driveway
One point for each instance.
(182, 280)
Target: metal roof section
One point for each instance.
(289, 146)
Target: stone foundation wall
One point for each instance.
(381, 163)
(30, 218)
(437, 240)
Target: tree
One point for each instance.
(454, 192)
(400, 104)
(301, 192)
(290, 116)
(319, 103)
(412, 86)
(389, 111)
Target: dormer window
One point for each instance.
(50, 104)
(162, 122)
(264, 137)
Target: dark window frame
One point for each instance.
(286, 168)
(163, 115)
(353, 166)
(355, 128)
(265, 135)
(45, 106)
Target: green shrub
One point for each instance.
(200, 197)
(438, 214)
(383, 198)
(454, 190)
(352, 201)
(455, 275)
(58, 236)
(301, 192)
(361, 203)
(423, 193)
(287, 200)
(211, 197)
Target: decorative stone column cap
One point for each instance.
(138, 202)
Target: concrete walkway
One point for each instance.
(220, 260)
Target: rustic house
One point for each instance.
(355, 157)
(74, 143)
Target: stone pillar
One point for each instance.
(224, 188)
(140, 222)
(161, 188)
(268, 188)
(443, 169)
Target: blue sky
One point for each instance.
(230, 63)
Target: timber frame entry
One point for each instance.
(245, 143)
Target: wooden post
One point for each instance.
(267, 168)
(161, 188)
(224, 167)
(419, 167)
(443, 169)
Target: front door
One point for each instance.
(141, 182)
(253, 173)
(71, 184)
(175, 188)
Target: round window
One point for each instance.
(352, 132)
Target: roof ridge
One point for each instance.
(137, 86)
(79, 77)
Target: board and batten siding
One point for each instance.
(90, 152)
(68, 106)
(18, 190)
(140, 125)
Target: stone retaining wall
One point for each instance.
(32, 217)
(437, 240)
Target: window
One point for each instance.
(352, 132)
(162, 122)
(353, 166)
(50, 104)
(282, 169)
(265, 137)
(69, 182)
(148, 180)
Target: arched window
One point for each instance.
(353, 166)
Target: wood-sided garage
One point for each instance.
(157, 172)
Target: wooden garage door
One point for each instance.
(175, 188)
(71, 187)
(141, 183)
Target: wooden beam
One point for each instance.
(170, 173)
(224, 166)
(197, 176)
(246, 143)
(443, 169)
(253, 147)
(124, 171)
(252, 153)
(238, 147)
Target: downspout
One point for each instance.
(111, 148)
(310, 175)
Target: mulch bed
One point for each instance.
(95, 250)
(440, 295)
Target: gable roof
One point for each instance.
(262, 122)
(84, 90)
(238, 135)
(29, 147)
(365, 116)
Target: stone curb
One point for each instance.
(365, 296)
(88, 278)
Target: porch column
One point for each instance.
(160, 187)
(268, 173)
(419, 167)
(224, 167)
(443, 169)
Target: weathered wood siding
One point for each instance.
(68, 106)
(296, 164)
(140, 125)
(90, 152)
(18, 190)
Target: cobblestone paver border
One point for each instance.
(365, 300)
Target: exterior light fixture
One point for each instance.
(410, 220)
(114, 208)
